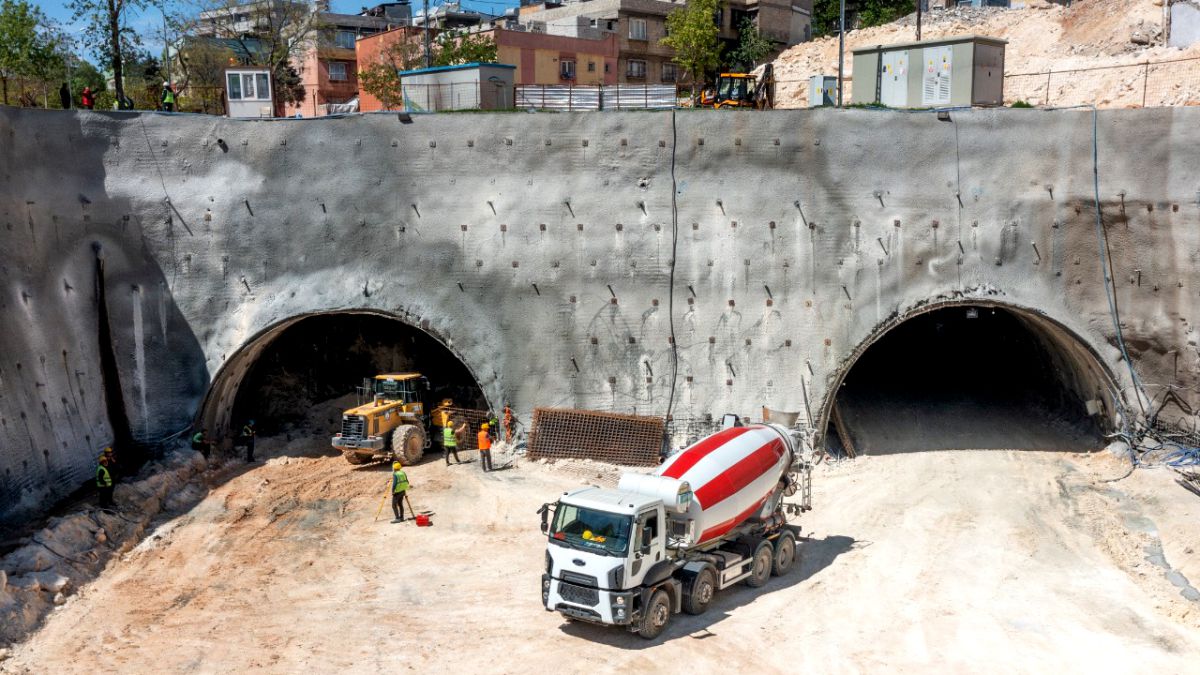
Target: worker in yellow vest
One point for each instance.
(399, 488)
(485, 447)
(449, 445)
(104, 484)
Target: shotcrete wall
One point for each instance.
(538, 249)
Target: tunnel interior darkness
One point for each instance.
(308, 373)
(973, 377)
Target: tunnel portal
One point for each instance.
(972, 377)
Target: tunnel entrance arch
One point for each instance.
(297, 374)
(970, 374)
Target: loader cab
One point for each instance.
(407, 388)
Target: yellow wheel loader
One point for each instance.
(393, 424)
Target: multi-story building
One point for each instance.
(539, 58)
(640, 26)
(327, 63)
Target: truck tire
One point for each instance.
(355, 458)
(700, 592)
(785, 554)
(760, 566)
(655, 615)
(408, 443)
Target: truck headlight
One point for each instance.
(621, 601)
(546, 583)
(620, 614)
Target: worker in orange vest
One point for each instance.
(485, 447)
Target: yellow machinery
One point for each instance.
(742, 90)
(393, 424)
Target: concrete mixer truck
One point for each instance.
(711, 516)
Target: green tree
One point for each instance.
(381, 78)
(692, 33)
(752, 48)
(19, 39)
(859, 14)
(108, 32)
(456, 48)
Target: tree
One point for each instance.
(859, 14)
(752, 48)
(456, 48)
(108, 32)
(692, 33)
(19, 39)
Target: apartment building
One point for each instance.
(640, 26)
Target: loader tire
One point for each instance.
(355, 458)
(408, 443)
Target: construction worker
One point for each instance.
(201, 443)
(104, 483)
(248, 434)
(508, 424)
(168, 97)
(485, 447)
(493, 426)
(449, 445)
(87, 99)
(399, 487)
(113, 469)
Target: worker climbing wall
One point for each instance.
(538, 250)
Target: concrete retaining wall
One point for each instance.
(799, 234)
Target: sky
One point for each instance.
(58, 11)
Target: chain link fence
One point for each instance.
(1147, 84)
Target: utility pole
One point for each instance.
(428, 45)
(919, 4)
(841, 48)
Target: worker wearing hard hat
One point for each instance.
(485, 447)
(104, 483)
(449, 445)
(399, 487)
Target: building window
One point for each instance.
(670, 72)
(637, 29)
(337, 71)
(566, 69)
(612, 26)
(636, 70)
(591, 66)
(344, 39)
(718, 17)
(607, 69)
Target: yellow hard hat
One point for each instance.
(395, 465)
(483, 426)
(108, 451)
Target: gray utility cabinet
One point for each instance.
(955, 71)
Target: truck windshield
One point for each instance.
(597, 530)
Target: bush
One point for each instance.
(1021, 104)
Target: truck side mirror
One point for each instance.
(645, 540)
(544, 512)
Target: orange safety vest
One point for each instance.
(485, 441)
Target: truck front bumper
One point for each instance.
(614, 608)
(373, 443)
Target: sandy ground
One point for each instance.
(1042, 36)
(976, 561)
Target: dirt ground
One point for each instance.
(967, 561)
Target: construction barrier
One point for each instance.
(570, 98)
(629, 440)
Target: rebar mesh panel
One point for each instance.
(473, 418)
(629, 440)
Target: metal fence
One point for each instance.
(608, 97)
(1172, 82)
(455, 96)
(630, 440)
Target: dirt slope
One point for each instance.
(1089, 34)
(966, 561)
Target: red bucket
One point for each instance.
(423, 520)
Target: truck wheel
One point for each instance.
(655, 615)
(701, 592)
(355, 458)
(785, 554)
(760, 567)
(408, 443)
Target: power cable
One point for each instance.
(671, 275)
